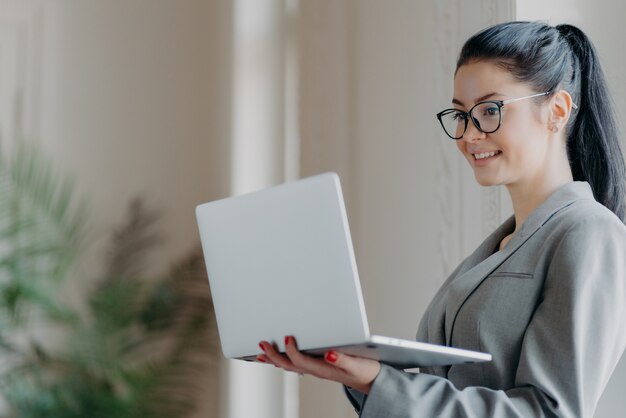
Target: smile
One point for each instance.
(486, 155)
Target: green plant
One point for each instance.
(137, 345)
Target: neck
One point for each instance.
(527, 195)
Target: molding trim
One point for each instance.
(468, 212)
(493, 12)
(446, 18)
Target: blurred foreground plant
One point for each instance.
(137, 348)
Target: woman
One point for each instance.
(545, 294)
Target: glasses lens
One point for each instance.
(486, 117)
(453, 122)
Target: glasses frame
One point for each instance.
(499, 103)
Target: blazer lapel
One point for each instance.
(484, 260)
(464, 285)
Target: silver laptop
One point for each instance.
(280, 262)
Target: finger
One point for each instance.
(341, 361)
(350, 364)
(352, 371)
(360, 371)
(276, 358)
(262, 358)
(306, 363)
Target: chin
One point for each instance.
(486, 181)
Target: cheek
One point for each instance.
(521, 144)
(460, 145)
(520, 154)
(522, 126)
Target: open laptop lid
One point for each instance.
(280, 262)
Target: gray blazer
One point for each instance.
(550, 307)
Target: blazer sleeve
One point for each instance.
(570, 348)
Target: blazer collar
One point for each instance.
(484, 260)
(561, 198)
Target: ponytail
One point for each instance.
(592, 138)
(552, 58)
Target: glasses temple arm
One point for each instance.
(574, 105)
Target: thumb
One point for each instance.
(358, 373)
(340, 360)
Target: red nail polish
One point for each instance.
(262, 348)
(261, 360)
(286, 340)
(331, 356)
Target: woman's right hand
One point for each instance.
(355, 372)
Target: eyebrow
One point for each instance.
(480, 99)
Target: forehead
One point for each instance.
(478, 78)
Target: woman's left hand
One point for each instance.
(355, 372)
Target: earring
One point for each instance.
(554, 128)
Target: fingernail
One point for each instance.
(286, 340)
(261, 360)
(331, 356)
(262, 348)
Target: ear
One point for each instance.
(560, 110)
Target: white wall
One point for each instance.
(135, 101)
(130, 104)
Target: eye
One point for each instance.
(491, 111)
(459, 116)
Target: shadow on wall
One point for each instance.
(135, 345)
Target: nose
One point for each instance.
(472, 133)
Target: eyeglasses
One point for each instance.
(486, 116)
